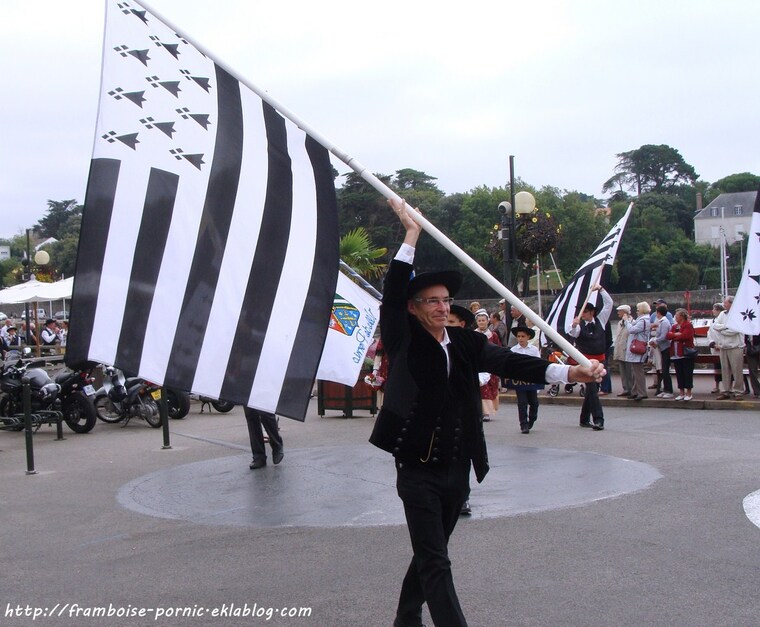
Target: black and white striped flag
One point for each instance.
(208, 252)
(575, 294)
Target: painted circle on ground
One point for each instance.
(355, 486)
(752, 507)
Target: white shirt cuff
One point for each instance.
(557, 373)
(405, 253)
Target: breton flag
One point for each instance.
(744, 314)
(208, 253)
(354, 318)
(575, 294)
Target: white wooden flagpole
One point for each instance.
(387, 192)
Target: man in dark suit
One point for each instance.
(431, 420)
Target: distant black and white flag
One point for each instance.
(576, 292)
(744, 314)
(208, 252)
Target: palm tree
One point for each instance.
(357, 251)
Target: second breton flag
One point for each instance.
(208, 252)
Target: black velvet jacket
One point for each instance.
(429, 416)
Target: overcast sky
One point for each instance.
(451, 89)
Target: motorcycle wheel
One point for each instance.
(152, 416)
(8, 408)
(79, 413)
(222, 406)
(107, 411)
(178, 403)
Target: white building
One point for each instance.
(729, 213)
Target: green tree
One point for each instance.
(676, 212)
(650, 168)
(357, 251)
(10, 271)
(58, 214)
(446, 216)
(683, 276)
(742, 182)
(407, 178)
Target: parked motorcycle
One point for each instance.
(220, 406)
(178, 403)
(43, 392)
(121, 399)
(75, 399)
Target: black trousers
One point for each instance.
(527, 399)
(255, 420)
(433, 496)
(592, 406)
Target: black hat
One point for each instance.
(463, 314)
(451, 279)
(531, 333)
(48, 321)
(590, 307)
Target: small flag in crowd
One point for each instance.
(353, 321)
(208, 252)
(575, 294)
(744, 314)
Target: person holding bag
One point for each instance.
(638, 337)
(682, 336)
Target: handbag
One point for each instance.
(638, 347)
(690, 351)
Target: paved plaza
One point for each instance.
(649, 522)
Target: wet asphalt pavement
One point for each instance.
(643, 523)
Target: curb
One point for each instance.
(575, 400)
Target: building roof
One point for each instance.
(729, 201)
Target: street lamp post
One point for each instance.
(524, 202)
(41, 258)
(520, 202)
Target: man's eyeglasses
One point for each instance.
(434, 302)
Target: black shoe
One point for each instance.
(598, 426)
(638, 398)
(400, 623)
(531, 423)
(257, 463)
(466, 510)
(587, 425)
(525, 430)
(277, 456)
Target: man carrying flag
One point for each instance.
(588, 329)
(431, 419)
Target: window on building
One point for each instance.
(715, 232)
(739, 230)
(714, 212)
(738, 210)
